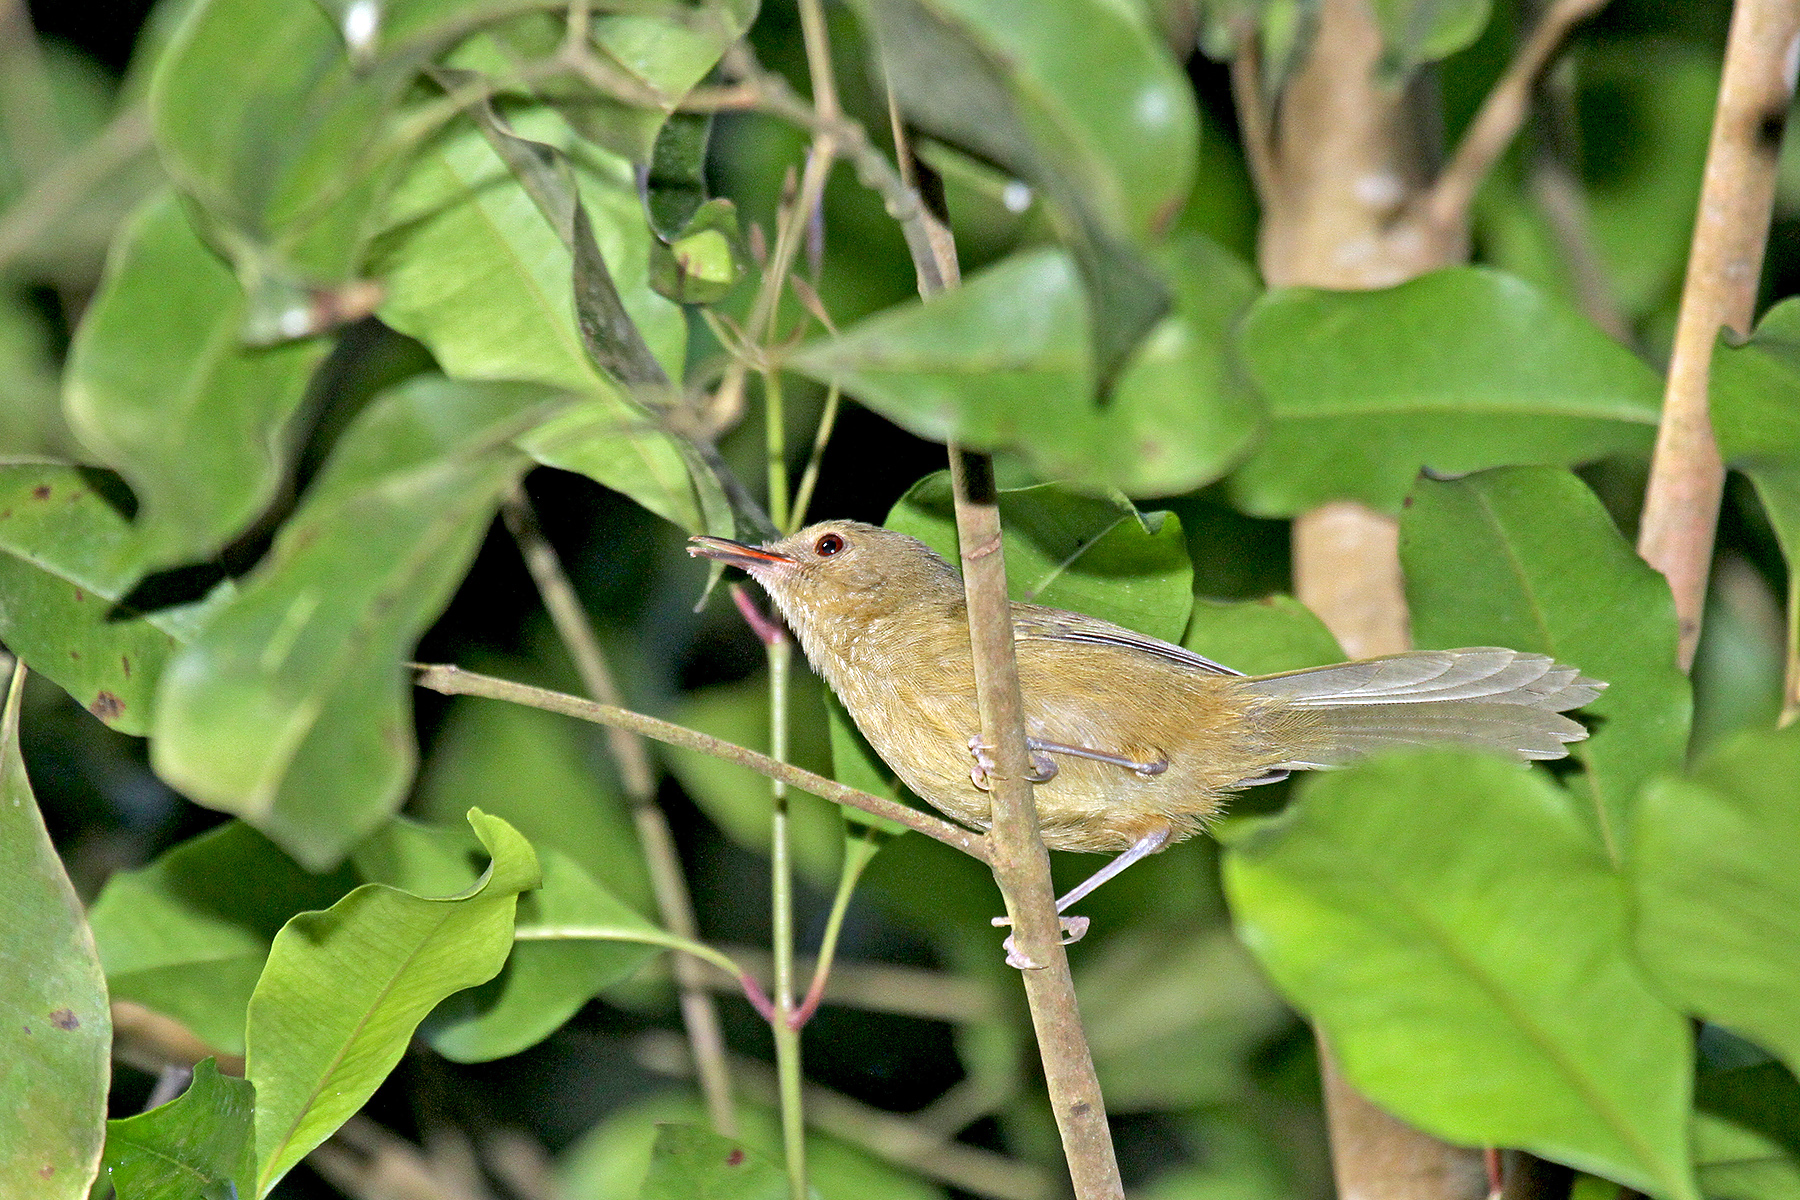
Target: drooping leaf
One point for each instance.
(1002, 362)
(691, 1163)
(169, 396)
(1088, 554)
(65, 567)
(344, 989)
(292, 708)
(1713, 866)
(187, 935)
(262, 117)
(544, 981)
(198, 1146)
(1526, 557)
(1076, 98)
(1449, 924)
(1460, 370)
(55, 1051)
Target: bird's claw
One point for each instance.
(1043, 767)
(1073, 930)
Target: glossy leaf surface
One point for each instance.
(293, 707)
(1448, 922)
(1526, 557)
(199, 1146)
(344, 989)
(1457, 371)
(55, 1052)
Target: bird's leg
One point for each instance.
(1043, 767)
(1145, 769)
(1075, 928)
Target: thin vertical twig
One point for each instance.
(1731, 228)
(674, 906)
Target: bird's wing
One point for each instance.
(1032, 622)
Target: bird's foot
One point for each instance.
(1043, 767)
(1073, 930)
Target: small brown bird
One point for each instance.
(1134, 741)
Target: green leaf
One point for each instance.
(1460, 370)
(1079, 99)
(31, 417)
(1002, 362)
(690, 1163)
(344, 989)
(1718, 892)
(55, 1052)
(1414, 32)
(188, 934)
(1087, 554)
(165, 392)
(292, 708)
(1739, 1164)
(64, 555)
(474, 270)
(261, 116)
(1448, 923)
(199, 1146)
(538, 772)
(1261, 637)
(1526, 557)
(738, 801)
(855, 764)
(544, 981)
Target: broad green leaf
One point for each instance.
(1460, 370)
(187, 935)
(544, 981)
(690, 1163)
(1261, 637)
(473, 270)
(1754, 391)
(198, 1146)
(344, 989)
(161, 388)
(1173, 1019)
(54, 1053)
(1088, 554)
(855, 764)
(738, 801)
(374, 29)
(1002, 362)
(1415, 32)
(1526, 557)
(1078, 99)
(1739, 1164)
(64, 555)
(1448, 923)
(293, 707)
(542, 774)
(1718, 889)
(31, 417)
(261, 116)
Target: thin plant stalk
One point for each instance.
(809, 479)
(779, 650)
(858, 851)
(699, 1015)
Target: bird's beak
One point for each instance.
(736, 553)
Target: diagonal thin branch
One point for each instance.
(454, 681)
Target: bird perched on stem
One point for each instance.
(1134, 742)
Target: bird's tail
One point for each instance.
(1484, 696)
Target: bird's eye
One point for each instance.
(828, 545)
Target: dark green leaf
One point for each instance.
(1261, 637)
(1739, 1164)
(1448, 922)
(1459, 370)
(66, 559)
(166, 393)
(344, 989)
(1002, 362)
(675, 182)
(199, 1146)
(1076, 98)
(187, 935)
(1718, 888)
(54, 1054)
(292, 708)
(703, 260)
(1088, 554)
(1526, 557)
(855, 763)
(688, 1163)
